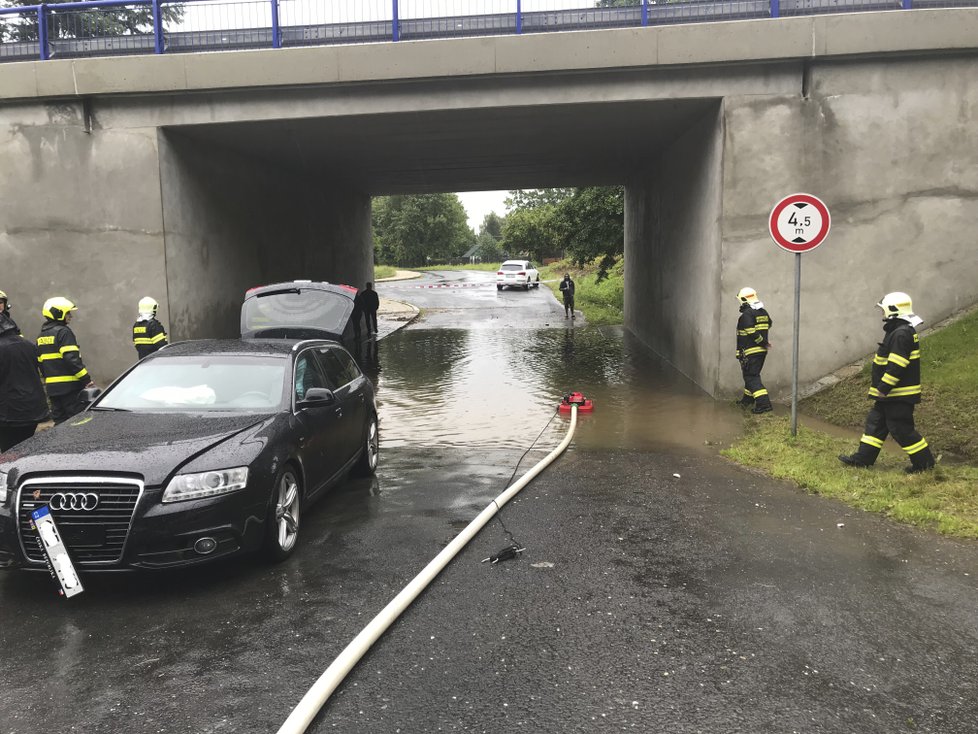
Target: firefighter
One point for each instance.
(23, 403)
(62, 368)
(895, 389)
(567, 288)
(5, 310)
(148, 334)
(752, 345)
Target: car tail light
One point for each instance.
(522, 272)
(500, 272)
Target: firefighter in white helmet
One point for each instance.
(895, 389)
(148, 334)
(62, 369)
(752, 345)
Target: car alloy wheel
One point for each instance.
(367, 464)
(283, 520)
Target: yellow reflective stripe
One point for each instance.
(915, 354)
(139, 330)
(67, 378)
(890, 379)
(158, 338)
(741, 332)
(758, 393)
(746, 391)
(762, 327)
(872, 441)
(43, 357)
(919, 446)
(879, 360)
(909, 390)
(755, 350)
(69, 348)
(897, 359)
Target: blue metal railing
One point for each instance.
(116, 27)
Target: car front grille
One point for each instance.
(96, 536)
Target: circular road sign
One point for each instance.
(799, 223)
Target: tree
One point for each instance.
(584, 224)
(112, 21)
(412, 230)
(492, 224)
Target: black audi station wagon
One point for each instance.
(204, 450)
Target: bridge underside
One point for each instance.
(195, 198)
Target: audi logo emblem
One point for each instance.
(84, 501)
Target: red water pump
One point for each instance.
(584, 405)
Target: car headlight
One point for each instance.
(3, 487)
(205, 484)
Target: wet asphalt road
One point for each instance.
(718, 601)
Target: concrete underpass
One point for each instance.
(194, 178)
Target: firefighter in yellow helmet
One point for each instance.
(895, 389)
(62, 369)
(148, 334)
(5, 310)
(752, 345)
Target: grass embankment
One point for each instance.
(945, 499)
(384, 271)
(601, 303)
(473, 266)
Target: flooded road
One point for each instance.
(715, 601)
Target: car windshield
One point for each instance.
(296, 313)
(212, 383)
(513, 266)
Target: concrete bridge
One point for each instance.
(192, 177)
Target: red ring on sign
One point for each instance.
(796, 247)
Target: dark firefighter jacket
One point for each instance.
(567, 288)
(896, 366)
(148, 337)
(22, 398)
(752, 330)
(61, 363)
(369, 301)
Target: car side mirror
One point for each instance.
(316, 397)
(89, 394)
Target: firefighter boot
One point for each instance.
(921, 461)
(857, 459)
(746, 401)
(762, 405)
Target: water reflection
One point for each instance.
(496, 388)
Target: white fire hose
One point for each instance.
(322, 689)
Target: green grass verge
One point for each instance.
(943, 499)
(475, 266)
(384, 271)
(946, 415)
(601, 303)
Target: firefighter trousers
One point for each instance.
(754, 390)
(893, 417)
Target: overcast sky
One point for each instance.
(479, 203)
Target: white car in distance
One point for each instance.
(517, 274)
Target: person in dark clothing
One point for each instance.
(64, 373)
(567, 288)
(752, 346)
(357, 315)
(5, 310)
(148, 334)
(895, 389)
(22, 401)
(369, 302)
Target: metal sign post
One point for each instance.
(798, 223)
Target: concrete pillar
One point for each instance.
(234, 222)
(672, 254)
(80, 217)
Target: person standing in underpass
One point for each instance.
(895, 389)
(753, 327)
(148, 334)
(65, 375)
(369, 302)
(567, 289)
(5, 310)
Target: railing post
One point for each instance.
(519, 16)
(276, 37)
(775, 8)
(42, 32)
(158, 25)
(395, 25)
(645, 12)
